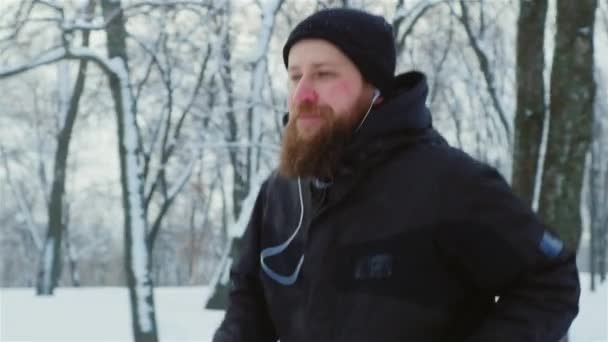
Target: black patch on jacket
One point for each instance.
(404, 266)
(377, 266)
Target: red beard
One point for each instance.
(319, 154)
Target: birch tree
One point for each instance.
(137, 254)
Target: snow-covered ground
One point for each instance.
(102, 314)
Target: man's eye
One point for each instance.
(295, 77)
(324, 74)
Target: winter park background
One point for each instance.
(193, 91)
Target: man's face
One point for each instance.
(327, 99)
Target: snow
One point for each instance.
(102, 314)
(226, 274)
(591, 325)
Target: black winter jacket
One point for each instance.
(415, 241)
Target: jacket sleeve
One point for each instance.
(504, 249)
(247, 317)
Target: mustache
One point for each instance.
(311, 109)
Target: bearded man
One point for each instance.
(373, 228)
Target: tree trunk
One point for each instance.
(530, 111)
(485, 68)
(240, 169)
(50, 266)
(137, 255)
(572, 98)
(598, 200)
(72, 259)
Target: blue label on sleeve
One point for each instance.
(551, 245)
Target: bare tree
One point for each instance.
(50, 267)
(572, 97)
(405, 19)
(484, 65)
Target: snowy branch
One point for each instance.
(80, 25)
(168, 149)
(484, 64)
(172, 193)
(270, 147)
(403, 15)
(18, 24)
(51, 4)
(60, 53)
(268, 17)
(238, 228)
(168, 3)
(131, 9)
(25, 211)
(181, 181)
(45, 58)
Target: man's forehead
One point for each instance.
(315, 52)
(313, 65)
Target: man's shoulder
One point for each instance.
(275, 179)
(443, 162)
(443, 155)
(277, 185)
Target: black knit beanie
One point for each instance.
(365, 38)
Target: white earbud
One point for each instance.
(376, 96)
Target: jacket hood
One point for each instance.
(402, 119)
(403, 112)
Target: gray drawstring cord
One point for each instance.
(272, 251)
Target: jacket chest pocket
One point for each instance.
(403, 266)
